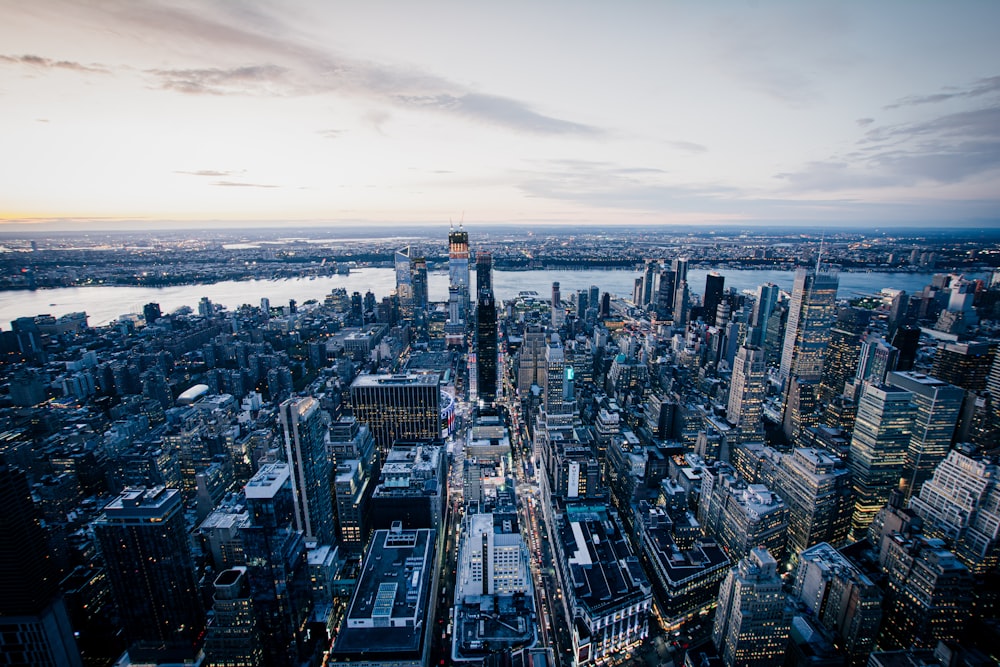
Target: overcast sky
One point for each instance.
(366, 112)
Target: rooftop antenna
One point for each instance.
(819, 257)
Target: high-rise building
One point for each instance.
(353, 449)
(34, 625)
(746, 393)
(397, 407)
(531, 359)
(841, 362)
(816, 486)
(961, 504)
(714, 285)
(304, 430)
(807, 334)
(842, 597)
(878, 449)
(965, 365)
(767, 299)
(277, 570)
(144, 542)
(649, 287)
(558, 314)
(801, 408)
(418, 270)
(484, 271)
(929, 596)
(938, 407)
(404, 280)
(751, 622)
(458, 269)
(611, 616)
(876, 359)
(486, 346)
(742, 516)
(233, 638)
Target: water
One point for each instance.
(107, 303)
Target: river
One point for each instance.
(104, 304)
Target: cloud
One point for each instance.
(689, 146)
(864, 122)
(209, 172)
(248, 80)
(331, 134)
(39, 62)
(237, 184)
(979, 88)
(944, 149)
(605, 184)
(275, 61)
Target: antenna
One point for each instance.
(819, 257)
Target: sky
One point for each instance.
(136, 113)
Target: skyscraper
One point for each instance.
(810, 314)
(484, 271)
(458, 268)
(404, 280)
(878, 450)
(751, 624)
(961, 504)
(143, 540)
(746, 393)
(817, 489)
(843, 598)
(714, 284)
(767, 299)
(486, 343)
(276, 566)
(397, 407)
(34, 626)
(418, 270)
(938, 406)
(841, 362)
(558, 315)
(303, 429)
(233, 637)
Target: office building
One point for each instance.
(714, 285)
(233, 638)
(685, 567)
(752, 620)
(34, 625)
(749, 515)
(486, 346)
(810, 315)
(558, 315)
(412, 487)
(960, 503)
(404, 280)
(605, 593)
(143, 540)
(816, 486)
(842, 597)
(965, 365)
(767, 300)
(458, 272)
(390, 615)
(397, 407)
(938, 406)
(494, 596)
(418, 270)
(746, 394)
(304, 430)
(929, 596)
(353, 450)
(879, 443)
(840, 364)
(277, 572)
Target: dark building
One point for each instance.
(151, 312)
(303, 429)
(143, 539)
(397, 407)
(714, 285)
(486, 342)
(484, 271)
(34, 626)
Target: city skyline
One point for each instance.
(135, 115)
